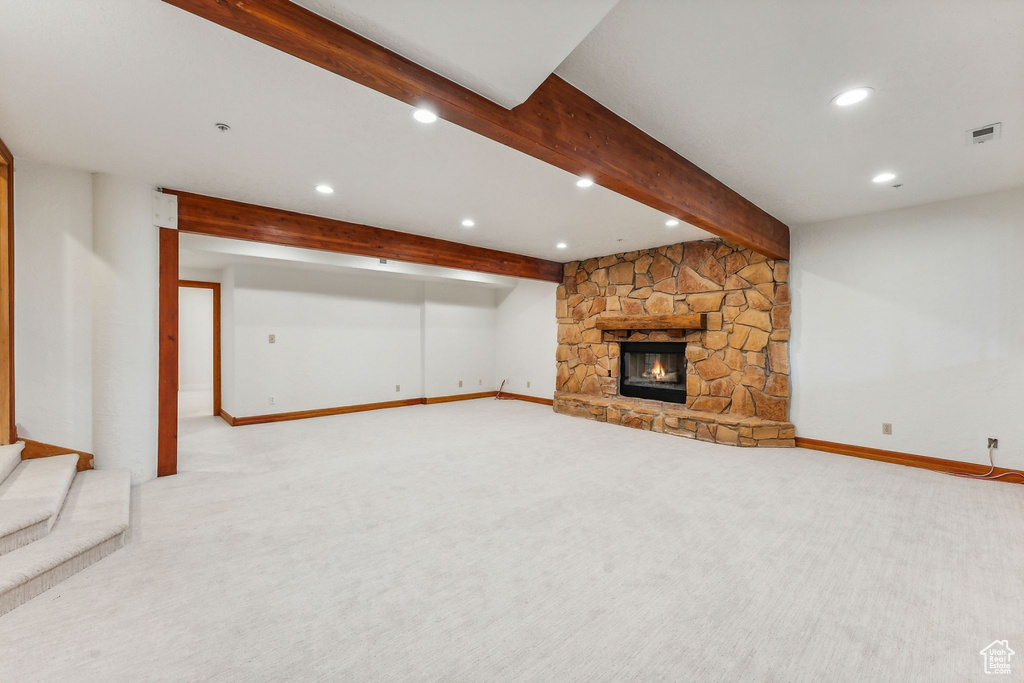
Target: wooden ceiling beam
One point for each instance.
(204, 215)
(558, 124)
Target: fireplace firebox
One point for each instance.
(655, 370)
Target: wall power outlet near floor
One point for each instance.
(887, 428)
(993, 442)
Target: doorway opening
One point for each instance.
(198, 348)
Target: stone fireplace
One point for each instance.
(689, 339)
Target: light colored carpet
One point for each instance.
(485, 540)
(195, 403)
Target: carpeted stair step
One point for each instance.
(91, 525)
(10, 456)
(31, 498)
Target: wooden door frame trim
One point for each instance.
(167, 426)
(558, 123)
(8, 423)
(215, 288)
(216, 217)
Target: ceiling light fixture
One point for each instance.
(584, 182)
(468, 222)
(424, 116)
(325, 189)
(562, 245)
(883, 177)
(671, 222)
(222, 127)
(845, 99)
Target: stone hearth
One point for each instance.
(737, 379)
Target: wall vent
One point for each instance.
(979, 135)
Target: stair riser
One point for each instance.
(24, 536)
(6, 467)
(28, 590)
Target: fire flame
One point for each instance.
(657, 372)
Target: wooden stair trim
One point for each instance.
(38, 449)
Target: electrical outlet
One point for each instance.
(887, 428)
(271, 400)
(480, 383)
(460, 382)
(527, 384)
(272, 339)
(993, 443)
(398, 387)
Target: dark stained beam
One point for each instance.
(167, 415)
(204, 215)
(557, 124)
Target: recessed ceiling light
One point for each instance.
(562, 245)
(468, 222)
(325, 189)
(671, 222)
(222, 127)
(584, 182)
(424, 116)
(883, 177)
(849, 97)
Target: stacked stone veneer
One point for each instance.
(737, 378)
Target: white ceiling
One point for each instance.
(204, 253)
(742, 89)
(500, 49)
(134, 87)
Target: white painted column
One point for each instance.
(124, 327)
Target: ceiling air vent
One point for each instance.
(984, 134)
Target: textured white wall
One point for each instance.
(53, 287)
(527, 335)
(341, 339)
(124, 326)
(195, 339)
(458, 344)
(913, 317)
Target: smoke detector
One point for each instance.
(984, 134)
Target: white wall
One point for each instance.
(53, 298)
(340, 340)
(344, 339)
(458, 343)
(125, 326)
(527, 336)
(195, 339)
(913, 317)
